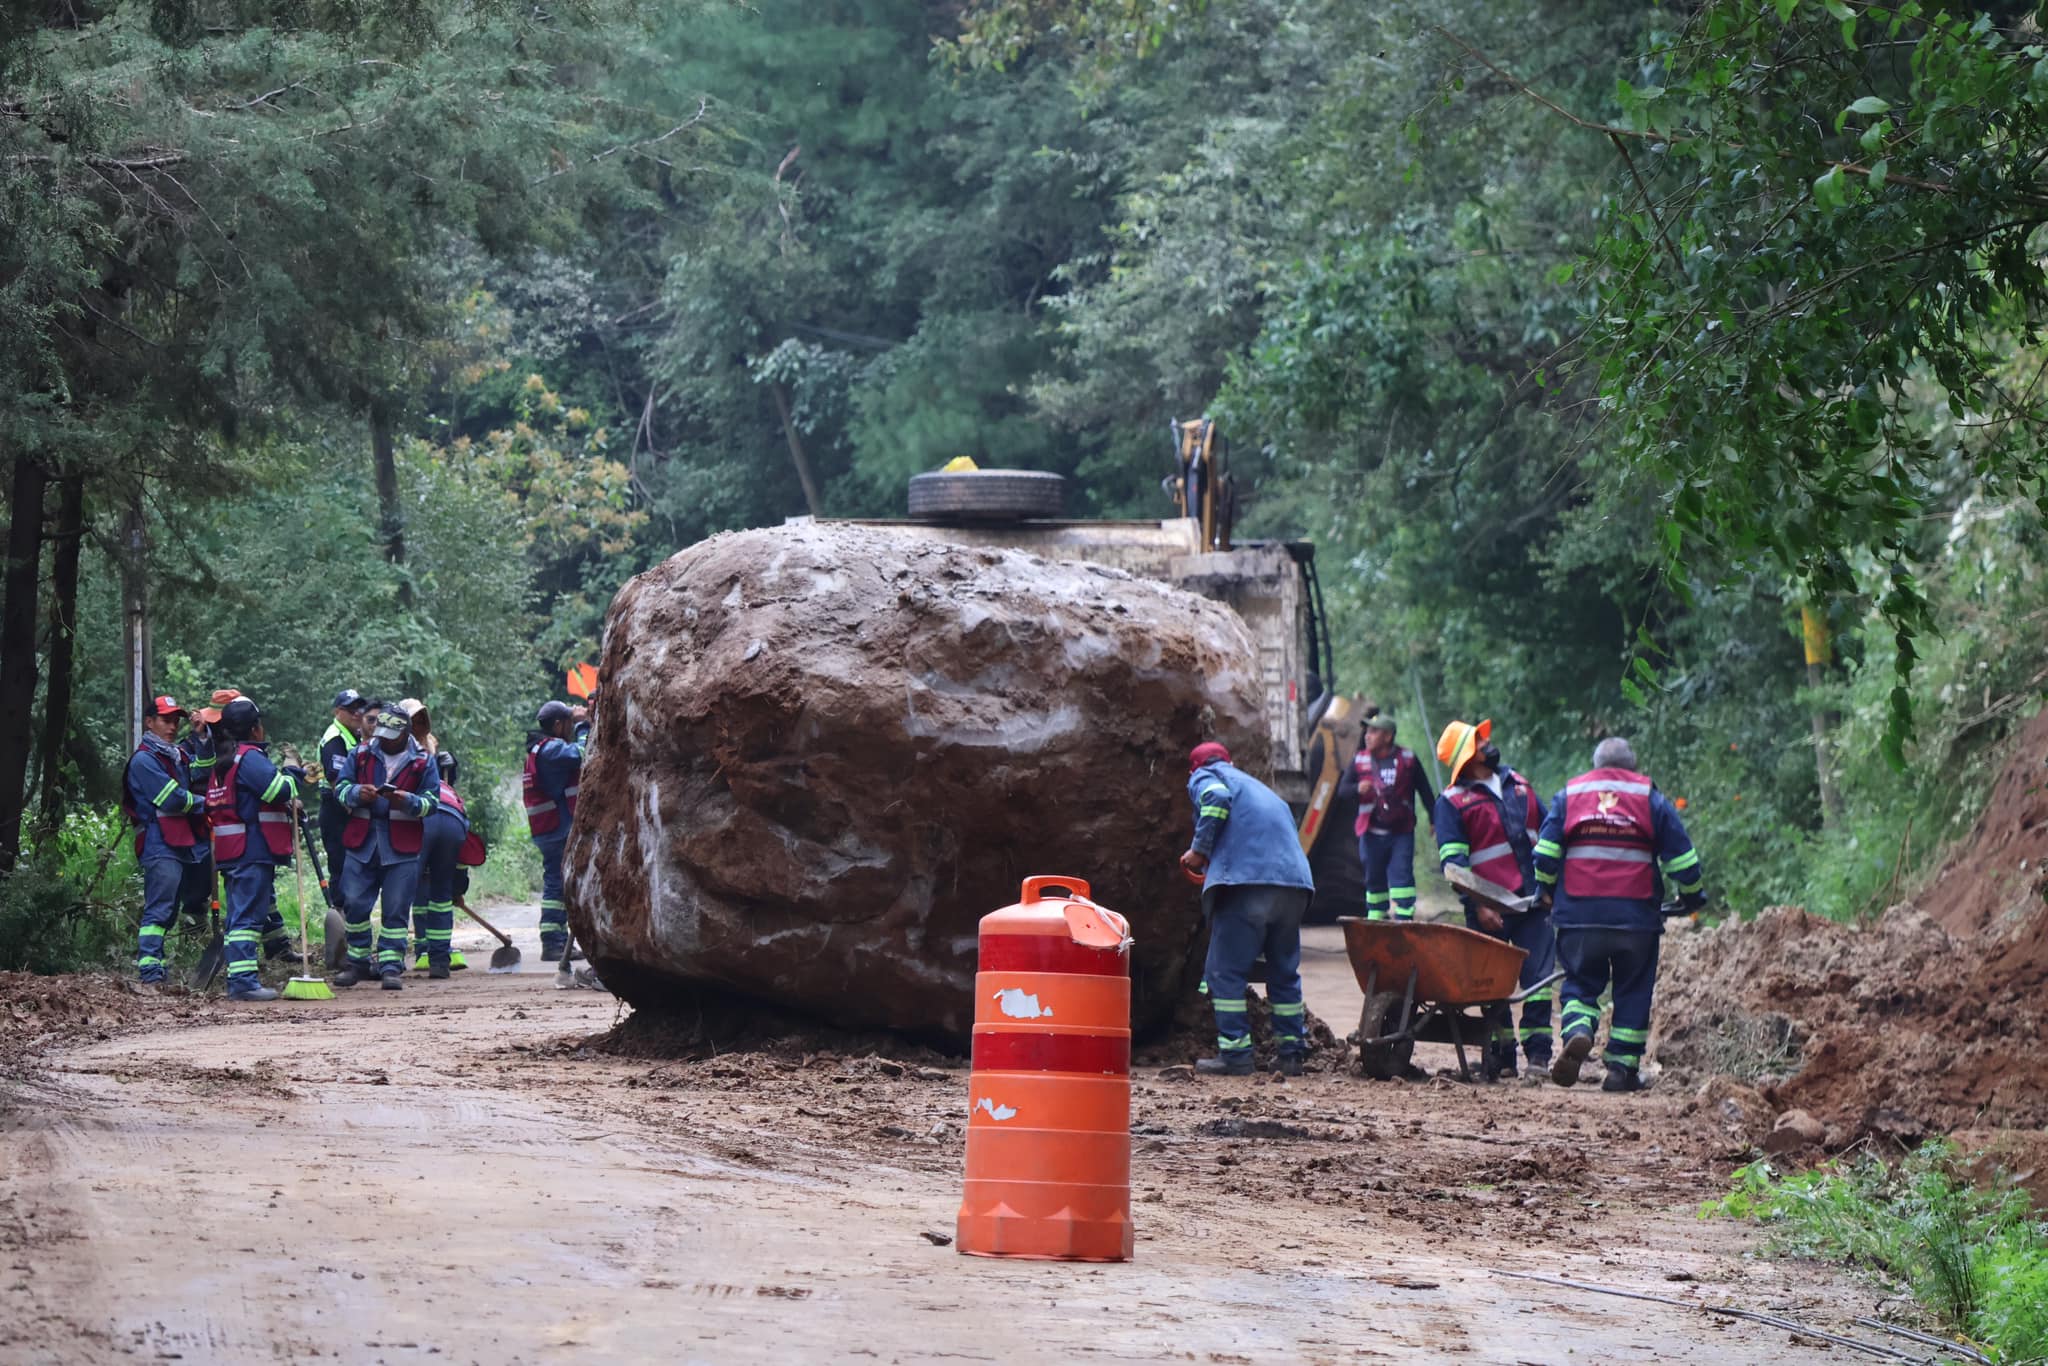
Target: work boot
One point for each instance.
(456, 962)
(394, 980)
(250, 991)
(1289, 1064)
(437, 969)
(277, 948)
(352, 972)
(1620, 1078)
(1504, 1063)
(588, 979)
(1565, 1071)
(1226, 1065)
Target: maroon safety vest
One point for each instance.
(179, 829)
(543, 814)
(223, 813)
(405, 827)
(1610, 841)
(473, 851)
(1388, 806)
(1493, 855)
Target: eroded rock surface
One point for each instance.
(824, 752)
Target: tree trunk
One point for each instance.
(63, 635)
(134, 566)
(390, 515)
(796, 452)
(18, 648)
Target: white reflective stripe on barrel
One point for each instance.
(1492, 852)
(1606, 785)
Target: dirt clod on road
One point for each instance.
(451, 1174)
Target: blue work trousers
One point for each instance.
(169, 885)
(554, 912)
(1593, 960)
(1245, 921)
(251, 906)
(433, 915)
(1389, 862)
(363, 882)
(1533, 934)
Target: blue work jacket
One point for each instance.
(1246, 830)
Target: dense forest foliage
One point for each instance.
(1669, 370)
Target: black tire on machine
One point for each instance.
(987, 496)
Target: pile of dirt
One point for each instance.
(1891, 1030)
(1999, 875)
(824, 752)
(36, 1011)
(1927, 1020)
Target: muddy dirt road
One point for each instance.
(442, 1175)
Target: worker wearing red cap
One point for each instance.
(1255, 889)
(1486, 820)
(170, 834)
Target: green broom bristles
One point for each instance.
(308, 989)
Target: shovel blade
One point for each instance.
(212, 959)
(505, 959)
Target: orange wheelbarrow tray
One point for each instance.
(1420, 980)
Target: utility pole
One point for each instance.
(1813, 631)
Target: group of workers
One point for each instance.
(1579, 883)
(208, 801)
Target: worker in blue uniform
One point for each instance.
(1255, 889)
(249, 803)
(1605, 848)
(548, 787)
(170, 834)
(1486, 820)
(391, 789)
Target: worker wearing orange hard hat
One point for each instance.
(1486, 820)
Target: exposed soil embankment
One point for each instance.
(1932, 1018)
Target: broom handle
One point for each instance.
(299, 873)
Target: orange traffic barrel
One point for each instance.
(1049, 1101)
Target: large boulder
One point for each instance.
(823, 752)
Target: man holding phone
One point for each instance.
(389, 793)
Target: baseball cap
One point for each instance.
(241, 716)
(1209, 752)
(164, 706)
(1380, 721)
(391, 725)
(348, 699)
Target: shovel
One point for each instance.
(213, 957)
(503, 959)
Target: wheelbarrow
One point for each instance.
(1420, 980)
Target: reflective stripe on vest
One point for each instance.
(1493, 854)
(231, 835)
(1609, 839)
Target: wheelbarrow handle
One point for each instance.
(1526, 992)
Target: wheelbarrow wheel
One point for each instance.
(1387, 1060)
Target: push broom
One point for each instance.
(309, 987)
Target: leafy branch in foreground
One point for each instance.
(1827, 235)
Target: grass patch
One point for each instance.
(1977, 1259)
